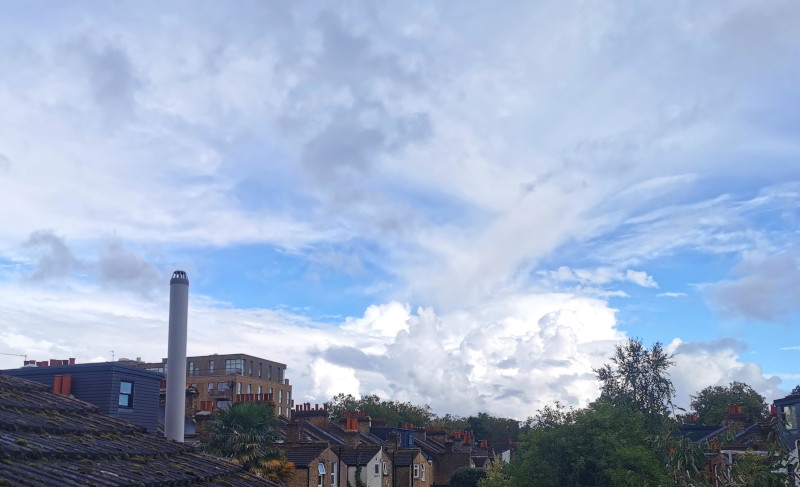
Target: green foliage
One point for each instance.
(467, 477)
(638, 376)
(685, 461)
(359, 482)
(450, 422)
(605, 444)
(496, 475)
(395, 412)
(246, 433)
(712, 403)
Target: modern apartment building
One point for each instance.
(222, 380)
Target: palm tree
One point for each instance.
(246, 433)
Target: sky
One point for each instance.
(460, 204)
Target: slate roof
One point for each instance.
(699, 433)
(359, 456)
(404, 457)
(48, 439)
(303, 454)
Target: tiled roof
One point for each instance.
(303, 454)
(48, 439)
(359, 456)
(404, 457)
(698, 432)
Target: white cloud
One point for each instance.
(768, 289)
(702, 364)
(433, 144)
(600, 276)
(671, 294)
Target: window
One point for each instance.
(224, 386)
(269, 376)
(244, 365)
(125, 394)
(333, 474)
(251, 368)
(210, 366)
(280, 410)
(231, 366)
(259, 389)
(211, 386)
(280, 396)
(320, 475)
(260, 369)
(416, 470)
(422, 470)
(190, 369)
(249, 389)
(377, 469)
(385, 469)
(238, 388)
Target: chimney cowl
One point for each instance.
(179, 277)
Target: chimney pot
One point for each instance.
(72, 361)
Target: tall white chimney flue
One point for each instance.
(176, 356)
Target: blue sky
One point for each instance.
(450, 204)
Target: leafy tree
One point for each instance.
(685, 461)
(467, 477)
(796, 389)
(246, 433)
(712, 402)
(638, 376)
(450, 422)
(604, 444)
(395, 412)
(496, 475)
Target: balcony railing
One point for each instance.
(209, 372)
(224, 393)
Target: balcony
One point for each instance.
(212, 372)
(220, 393)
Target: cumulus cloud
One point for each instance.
(436, 138)
(702, 364)
(767, 288)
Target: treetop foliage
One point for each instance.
(247, 433)
(483, 426)
(467, 477)
(638, 376)
(711, 404)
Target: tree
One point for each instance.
(467, 477)
(638, 377)
(246, 433)
(395, 412)
(796, 389)
(711, 404)
(496, 475)
(604, 444)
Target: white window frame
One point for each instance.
(333, 474)
(416, 470)
(377, 469)
(385, 469)
(423, 471)
(320, 474)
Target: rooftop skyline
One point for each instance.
(453, 204)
